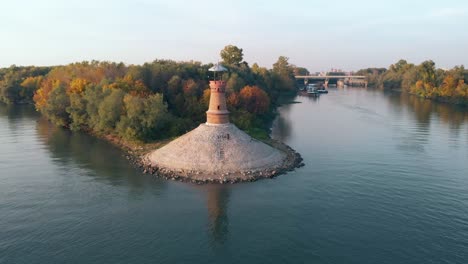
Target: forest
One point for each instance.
(156, 100)
(424, 80)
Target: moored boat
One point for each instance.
(312, 90)
(322, 91)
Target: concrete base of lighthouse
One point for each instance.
(220, 153)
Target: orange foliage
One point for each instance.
(233, 100)
(77, 86)
(448, 86)
(32, 82)
(254, 99)
(462, 89)
(42, 94)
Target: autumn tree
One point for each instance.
(254, 100)
(29, 86)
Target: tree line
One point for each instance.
(424, 80)
(156, 100)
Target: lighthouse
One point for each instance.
(217, 113)
(218, 151)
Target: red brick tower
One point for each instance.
(217, 111)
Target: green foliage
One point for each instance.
(427, 72)
(424, 80)
(144, 118)
(77, 111)
(56, 109)
(109, 110)
(234, 83)
(93, 96)
(373, 76)
(300, 71)
(232, 55)
(283, 74)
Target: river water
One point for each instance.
(385, 181)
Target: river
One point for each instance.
(385, 181)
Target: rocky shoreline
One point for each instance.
(292, 161)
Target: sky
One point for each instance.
(318, 35)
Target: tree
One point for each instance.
(234, 83)
(143, 118)
(232, 55)
(77, 112)
(282, 66)
(300, 71)
(41, 96)
(77, 85)
(56, 106)
(284, 72)
(428, 72)
(110, 109)
(399, 66)
(254, 100)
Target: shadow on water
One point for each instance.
(100, 159)
(217, 200)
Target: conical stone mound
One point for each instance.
(212, 150)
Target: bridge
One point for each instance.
(340, 80)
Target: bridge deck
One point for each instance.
(330, 77)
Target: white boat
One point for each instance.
(323, 90)
(312, 89)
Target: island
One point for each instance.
(218, 151)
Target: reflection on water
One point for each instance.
(217, 199)
(101, 159)
(68, 148)
(282, 124)
(15, 112)
(425, 110)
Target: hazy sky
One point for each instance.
(315, 34)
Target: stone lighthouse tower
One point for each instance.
(217, 111)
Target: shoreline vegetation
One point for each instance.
(423, 80)
(142, 107)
